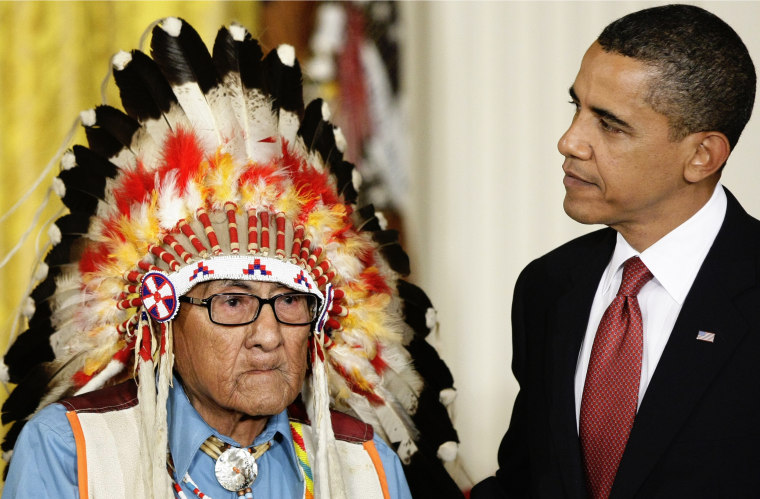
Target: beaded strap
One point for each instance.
(303, 459)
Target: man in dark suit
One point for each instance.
(637, 347)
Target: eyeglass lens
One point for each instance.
(291, 308)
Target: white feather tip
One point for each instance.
(41, 272)
(28, 308)
(447, 396)
(172, 26)
(287, 54)
(238, 32)
(381, 220)
(326, 111)
(68, 161)
(4, 377)
(340, 140)
(59, 187)
(447, 451)
(88, 117)
(120, 60)
(356, 179)
(54, 233)
(431, 318)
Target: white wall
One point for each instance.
(487, 86)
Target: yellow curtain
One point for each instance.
(53, 59)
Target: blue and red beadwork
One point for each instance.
(201, 269)
(256, 266)
(158, 296)
(301, 279)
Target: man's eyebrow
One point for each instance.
(603, 113)
(230, 283)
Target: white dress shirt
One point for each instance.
(674, 262)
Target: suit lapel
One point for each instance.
(568, 330)
(687, 366)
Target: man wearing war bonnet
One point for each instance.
(214, 293)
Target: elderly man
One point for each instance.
(637, 347)
(211, 267)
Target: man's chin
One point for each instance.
(580, 212)
(265, 402)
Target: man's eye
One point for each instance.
(232, 301)
(607, 127)
(576, 105)
(291, 299)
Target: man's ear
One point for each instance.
(709, 154)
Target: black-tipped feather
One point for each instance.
(102, 142)
(145, 93)
(78, 199)
(392, 250)
(11, 436)
(183, 58)
(343, 172)
(45, 288)
(428, 479)
(86, 182)
(432, 415)
(318, 134)
(30, 348)
(283, 83)
(226, 53)
(95, 164)
(24, 400)
(61, 253)
(33, 345)
(251, 64)
(415, 305)
(112, 131)
(369, 220)
(311, 122)
(429, 364)
(118, 124)
(74, 223)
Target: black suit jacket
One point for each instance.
(697, 431)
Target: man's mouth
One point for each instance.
(573, 180)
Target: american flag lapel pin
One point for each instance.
(706, 336)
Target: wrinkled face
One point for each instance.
(251, 370)
(621, 168)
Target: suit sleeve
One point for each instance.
(512, 479)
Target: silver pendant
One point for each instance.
(236, 469)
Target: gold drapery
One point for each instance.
(53, 58)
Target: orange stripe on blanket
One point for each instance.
(369, 446)
(76, 428)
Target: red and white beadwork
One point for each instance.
(158, 296)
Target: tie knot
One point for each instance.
(635, 275)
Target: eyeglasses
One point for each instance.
(238, 309)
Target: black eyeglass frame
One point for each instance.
(206, 302)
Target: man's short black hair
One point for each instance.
(704, 78)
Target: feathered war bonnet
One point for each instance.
(216, 171)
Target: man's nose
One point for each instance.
(574, 142)
(265, 331)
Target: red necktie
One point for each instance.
(611, 389)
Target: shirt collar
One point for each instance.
(676, 258)
(188, 430)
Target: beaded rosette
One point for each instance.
(216, 170)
